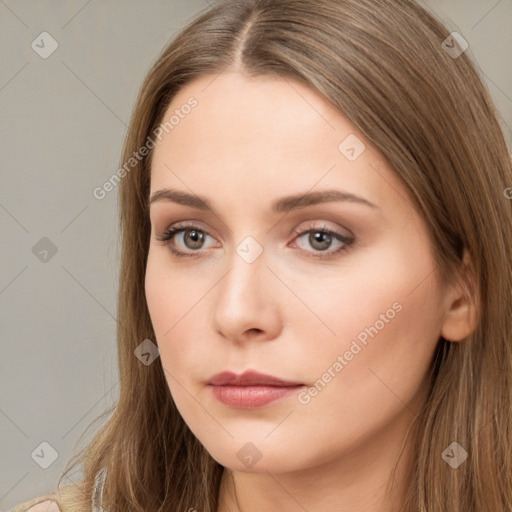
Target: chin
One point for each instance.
(260, 456)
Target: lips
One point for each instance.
(251, 389)
(249, 378)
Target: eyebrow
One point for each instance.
(281, 205)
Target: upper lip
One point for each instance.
(249, 378)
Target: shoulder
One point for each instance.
(46, 503)
(69, 498)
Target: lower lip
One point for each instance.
(251, 397)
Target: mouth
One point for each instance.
(251, 389)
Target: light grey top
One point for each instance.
(97, 494)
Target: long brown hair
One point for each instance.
(383, 63)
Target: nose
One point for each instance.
(246, 302)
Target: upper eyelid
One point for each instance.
(191, 224)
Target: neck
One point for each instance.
(372, 477)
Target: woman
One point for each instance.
(315, 234)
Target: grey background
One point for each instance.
(63, 120)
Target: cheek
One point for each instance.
(376, 380)
(176, 305)
(175, 308)
(387, 317)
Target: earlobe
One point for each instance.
(461, 317)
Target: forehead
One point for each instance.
(262, 136)
(257, 112)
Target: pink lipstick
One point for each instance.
(251, 389)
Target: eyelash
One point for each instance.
(172, 231)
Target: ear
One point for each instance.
(461, 316)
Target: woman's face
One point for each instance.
(333, 293)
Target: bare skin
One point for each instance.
(288, 313)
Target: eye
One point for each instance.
(322, 238)
(190, 236)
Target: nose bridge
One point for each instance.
(247, 266)
(243, 302)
